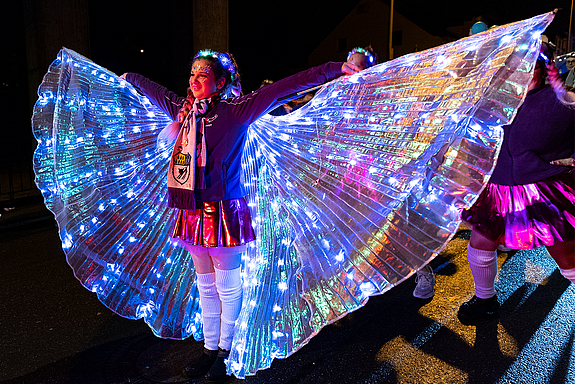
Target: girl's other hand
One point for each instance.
(349, 68)
(570, 162)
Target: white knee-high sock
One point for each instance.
(229, 284)
(211, 309)
(483, 266)
(569, 274)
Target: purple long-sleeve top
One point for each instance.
(543, 130)
(227, 122)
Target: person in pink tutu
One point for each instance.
(529, 201)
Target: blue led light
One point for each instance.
(327, 185)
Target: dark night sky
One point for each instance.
(295, 30)
(269, 39)
(272, 39)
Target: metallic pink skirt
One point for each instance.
(226, 223)
(526, 216)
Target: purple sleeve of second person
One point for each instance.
(160, 96)
(250, 107)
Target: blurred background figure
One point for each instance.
(362, 57)
(570, 65)
(283, 109)
(478, 27)
(528, 202)
(566, 66)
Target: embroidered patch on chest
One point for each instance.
(209, 120)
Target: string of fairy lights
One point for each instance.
(345, 197)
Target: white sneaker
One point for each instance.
(425, 280)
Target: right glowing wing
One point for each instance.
(363, 186)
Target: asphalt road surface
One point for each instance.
(52, 330)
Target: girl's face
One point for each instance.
(203, 81)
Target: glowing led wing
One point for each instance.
(352, 193)
(100, 174)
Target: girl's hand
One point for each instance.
(349, 69)
(570, 162)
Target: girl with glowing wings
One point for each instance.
(213, 219)
(328, 235)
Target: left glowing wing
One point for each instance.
(100, 174)
(364, 185)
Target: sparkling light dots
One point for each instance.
(323, 185)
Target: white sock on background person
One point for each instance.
(569, 274)
(229, 285)
(483, 266)
(211, 309)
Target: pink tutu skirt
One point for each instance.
(226, 223)
(526, 216)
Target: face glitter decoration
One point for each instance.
(346, 198)
(203, 82)
(203, 68)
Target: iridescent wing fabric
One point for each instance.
(365, 184)
(350, 195)
(97, 166)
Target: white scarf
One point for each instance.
(188, 160)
